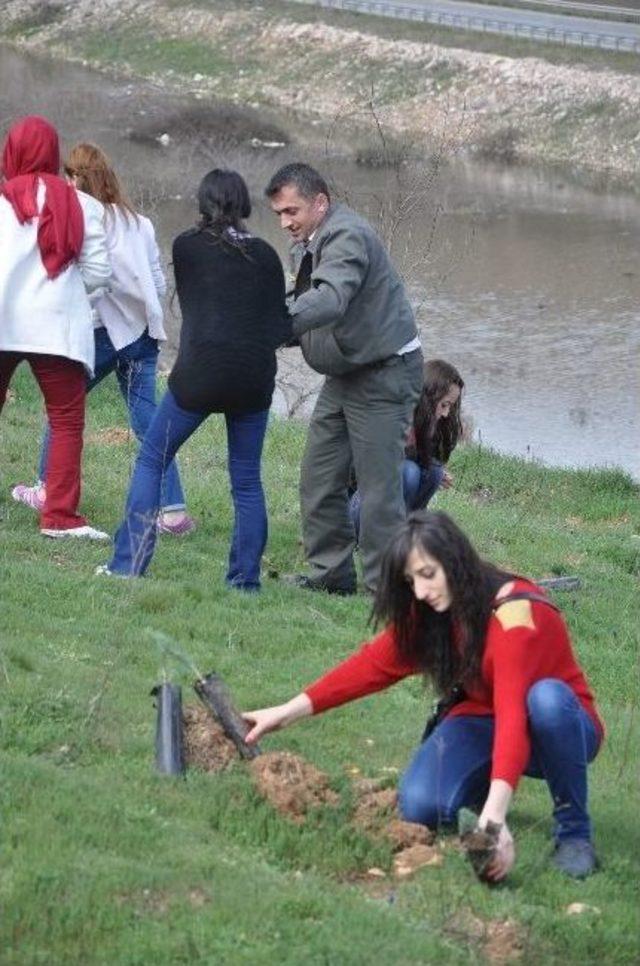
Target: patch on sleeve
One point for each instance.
(515, 613)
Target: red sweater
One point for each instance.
(526, 642)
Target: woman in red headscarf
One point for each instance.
(52, 252)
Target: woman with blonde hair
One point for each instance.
(128, 321)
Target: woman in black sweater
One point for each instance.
(231, 291)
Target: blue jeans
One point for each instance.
(135, 368)
(452, 768)
(171, 426)
(418, 486)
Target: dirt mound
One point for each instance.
(375, 814)
(404, 835)
(290, 784)
(501, 940)
(373, 807)
(205, 744)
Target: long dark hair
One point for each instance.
(447, 647)
(224, 203)
(437, 439)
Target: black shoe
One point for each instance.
(575, 857)
(308, 583)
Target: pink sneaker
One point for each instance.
(178, 529)
(31, 496)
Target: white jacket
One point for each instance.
(43, 315)
(132, 304)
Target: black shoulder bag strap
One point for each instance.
(526, 595)
(457, 694)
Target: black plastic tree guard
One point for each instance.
(213, 693)
(169, 750)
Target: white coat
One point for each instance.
(43, 315)
(132, 304)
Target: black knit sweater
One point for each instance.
(233, 318)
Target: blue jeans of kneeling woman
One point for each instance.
(452, 768)
(171, 426)
(418, 486)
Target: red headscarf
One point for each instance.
(31, 154)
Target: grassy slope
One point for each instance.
(105, 863)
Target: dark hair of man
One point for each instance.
(303, 177)
(224, 203)
(447, 647)
(437, 439)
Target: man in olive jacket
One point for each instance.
(355, 325)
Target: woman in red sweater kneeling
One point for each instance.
(515, 700)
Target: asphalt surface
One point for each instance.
(538, 25)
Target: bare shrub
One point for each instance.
(500, 145)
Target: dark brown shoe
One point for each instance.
(307, 583)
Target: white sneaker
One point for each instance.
(82, 533)
(102, 570)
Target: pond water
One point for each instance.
(527, 282)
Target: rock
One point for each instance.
(376, 873)
(415, 857)
(579, 908)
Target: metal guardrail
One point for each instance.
(486, 24)
(608, 11)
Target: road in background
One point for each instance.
(533, 24)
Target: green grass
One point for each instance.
(103, 862)
(146, 54)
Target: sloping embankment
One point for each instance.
(517, 110)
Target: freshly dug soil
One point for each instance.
(290, 784)
(404, 835)
(374, 807)
(205, 744)
(376, 815)
(501, 940)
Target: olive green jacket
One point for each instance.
(356, 312)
